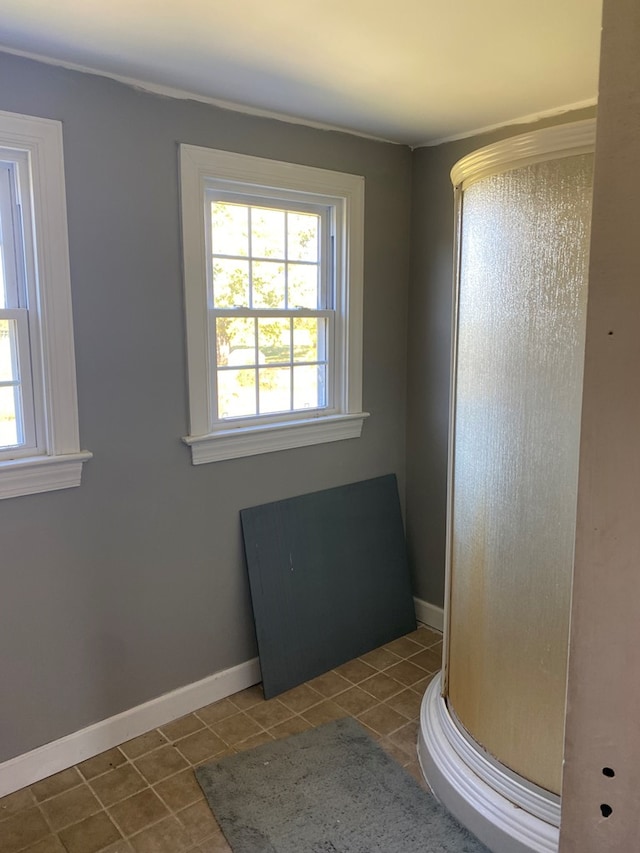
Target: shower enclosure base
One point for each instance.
(504, 811)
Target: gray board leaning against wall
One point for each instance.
(329, 579)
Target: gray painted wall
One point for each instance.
(428, 350)
(134, 584)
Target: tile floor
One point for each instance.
(142, 797)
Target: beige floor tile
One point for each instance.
(269, 714)
(416, 771)
(251, 742)
(324, 713)
(180, 790)
(168, 836)
(235, 729)
(381, 685)
(70, 807)
(90, 835)
(403, 647)
(406, 738)
(198, 821)
(405, 672)
(428, 659)
(14, 803)
(217, 711)
(426, 636)
(118, 784)
(200, 746)
(421, 685)
(300, 698)
(182, 727)
(102, 763)
(136, 813)
(22, 829)
(143, 744)
(380, 658)
(355, 701)
(407, 703)
(330, 684)
(248, 698)
(56, 784)
(121, 846)
(356, 671)
(50, 844)
(383, 719)
(293, 726)
(160, 763)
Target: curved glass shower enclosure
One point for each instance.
(523, 209)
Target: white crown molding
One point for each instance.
(562, 140)
(530, 118)
(187, 95)
(32, 766)
(492, 803)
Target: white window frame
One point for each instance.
(243, 175)
(53, 459)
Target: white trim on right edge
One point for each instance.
(502, 819)
(429, 614)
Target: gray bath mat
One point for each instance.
(331, 789)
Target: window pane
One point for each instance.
(229, 229)
(236, 393)
(8, 417)
(235, 341)
(309, 339)
(309, 387)
(8, 360)
(3, 286)
(268, 284)
(303, 286)
(267, 233)
(275, 389)
(303, 236)
(230, 283)
(274, 340)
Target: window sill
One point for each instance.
(266, 438)
(33, 474)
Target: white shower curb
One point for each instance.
(503, 811)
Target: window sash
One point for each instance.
(285, 203)
(326, 357)
(16, 264)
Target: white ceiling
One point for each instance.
(411, 71)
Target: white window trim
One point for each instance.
(59, 466)
(207, 443)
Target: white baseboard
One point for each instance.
(429, 614)
(59, 754)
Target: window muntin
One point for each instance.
(272, 307)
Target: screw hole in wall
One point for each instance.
(607, 771)
(606, 810)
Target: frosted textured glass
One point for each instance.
(522, 312)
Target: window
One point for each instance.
(39, 446)
(273, 294)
